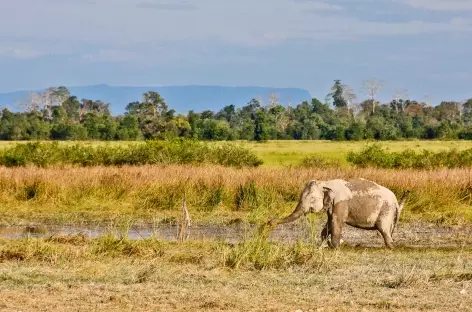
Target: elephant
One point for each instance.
(357, 202)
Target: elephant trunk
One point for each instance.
(297, 213)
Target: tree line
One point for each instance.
(55, 114)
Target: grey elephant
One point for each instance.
(357, 202)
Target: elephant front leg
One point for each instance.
(324, 235)
(336, 228)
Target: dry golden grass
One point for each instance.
(214, 194)
(72, 273)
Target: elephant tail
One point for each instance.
(401, 204)
(399, 209)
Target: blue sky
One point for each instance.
(424, 46)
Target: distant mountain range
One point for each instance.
(180, 98)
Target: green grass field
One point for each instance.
(276, 153)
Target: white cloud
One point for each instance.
(170, 5)
(316, 6)
(441, 5)
(19, 51)
(31, 48)
(120, 28)
(108, 55)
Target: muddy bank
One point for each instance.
(411, 234)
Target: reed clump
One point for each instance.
(257, 252)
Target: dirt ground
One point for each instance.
(431, 270)
(384, 282)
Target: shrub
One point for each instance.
(175, 151)
(376, 156)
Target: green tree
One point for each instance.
(37, 128)
(72, 108)
(337, 93)
(467, 112)
(154, 104)
(356, 132)
(212, 129)
(128, 128)
(193, 119)
(68, 131)
(227, 113)
(178, 127)
(260, 126)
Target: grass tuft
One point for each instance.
(258, 253)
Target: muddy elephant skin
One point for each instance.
(358, 202)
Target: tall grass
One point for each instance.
(177, 151)
(214, 193)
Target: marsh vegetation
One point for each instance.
(236, 188)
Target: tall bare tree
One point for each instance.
(33, 102)
(356, 109)
(461, 107)
(260, 99)
(370, 88)
(427, 100)
(348, 95)
(274, 99)
(45, 100)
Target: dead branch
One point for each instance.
(184, 231)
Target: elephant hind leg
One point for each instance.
(324, 232)
(387, 236)
(385, 224)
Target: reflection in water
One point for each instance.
(231, 233)
(412, 235)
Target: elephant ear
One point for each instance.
(311, 183)
(328, 198)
